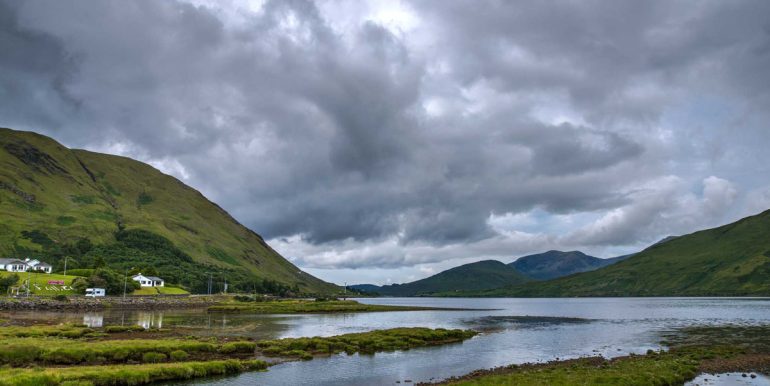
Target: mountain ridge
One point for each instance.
(484, 274)
(553, 264)
(52, 196)
(729, 260)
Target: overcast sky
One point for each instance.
(383, 141)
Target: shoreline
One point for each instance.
(80, 303)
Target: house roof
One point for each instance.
(9, 261)
(41, 264)
(153, 278)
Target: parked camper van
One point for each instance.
(94, 292)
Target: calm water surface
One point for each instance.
(568, 328)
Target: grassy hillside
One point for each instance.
(732, 260)
(39, 282)
(554, 264)
(55, 202)
(480, 275)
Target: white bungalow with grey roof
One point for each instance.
(13, 265)
(148, 281)
(39, 266)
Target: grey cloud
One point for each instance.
(304, 130)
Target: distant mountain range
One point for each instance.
(731, 260)
(554, 264)
(492, 274)
(481, 275)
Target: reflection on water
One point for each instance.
(93, 319)
(150, 319)
(515, 331)
(730, 379)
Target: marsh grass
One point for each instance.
(658, 369)
(692, 350)
(125, 374)
(365, 342)
(56, 351)
(76, 355)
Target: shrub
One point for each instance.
(61, 298)
(115, 329)
(153, 357)
(179, 355)
(19, 355)
(85, 272)
(238, 347)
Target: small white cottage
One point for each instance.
(148, 281)
(37, 265)
(13, 265)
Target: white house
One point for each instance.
(37, 265)
(148, 281)
(13, 265)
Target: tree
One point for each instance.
(8, 282)
(99, 262)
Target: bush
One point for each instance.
(238, 347)
(85, 272)
(19, 355)
(153, 357)
(116, 329)
(179, 355)
(61, 298)
(7, 282)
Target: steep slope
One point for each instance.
(52, 197)
(554, 264)
(480, 275)
(731, 260)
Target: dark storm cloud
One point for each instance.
(304, 125)
(33, 70)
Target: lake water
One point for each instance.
(515, 331)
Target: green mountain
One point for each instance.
(98, 209)
(554, 264)
(731, 260)
(476, 276)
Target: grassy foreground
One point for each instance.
(126, 375)
(296, 306)
(692, 351)
(118, 355)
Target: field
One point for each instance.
(160, 291)
(40, 284)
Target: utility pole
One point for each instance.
(209, 283)
(65, 265)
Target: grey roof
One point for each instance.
(154, 278)
(9, 261)
(42, 264)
